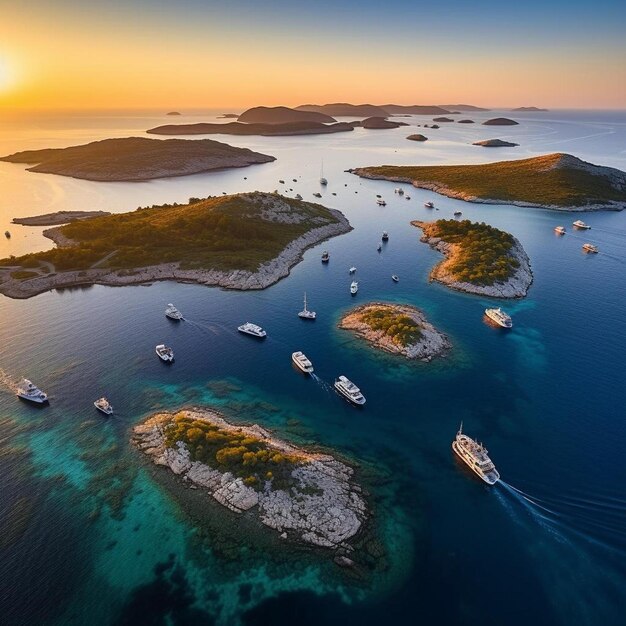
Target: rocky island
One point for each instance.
(397, 329)
(173, 113)
(480, 259)
(239, 128)
(306, 497)
(552, 181)
(281, 115)
(500, 121)
(57, 218)
(417, 137)
(529, 109)
(243, 241)
(495, 143)
(137, 159)
(442, 119)
(378, 123)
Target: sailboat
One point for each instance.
(323, 181)
(305, 313)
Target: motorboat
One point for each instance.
(252, 329)
(173, 313)
(354, 287)
(385, 236)
(589, 247)
(560, 230)
(379, 248)
(349, 391)
(457, 213)
(29, 391)
(305, 313)
(102, 404)
(580, 224)
(394, 278)
(475, 456)
(302, 362)
(325, 256)
(164, 353)
(381, 202)
(352, 270)
(429, 205)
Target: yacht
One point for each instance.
(399, 191)
(164, 353)
(173, 313)
(499, 317)
(103, 405)
(475, 456)
(349, 390)
(317, 194)
(589, 247)
(379, 248)
(352, 270)
(28, 391)
(282, 182)
(298, 196)
(305, 313)
(7, 234)
(457, 213)
(252, 329)
(429, 205)
(394, 278)
(354, 287)
(325, 256)
(385, 236)
(302, 362)
(581, 224)
(560, 230)
(381, 202)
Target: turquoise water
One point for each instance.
(89, 533)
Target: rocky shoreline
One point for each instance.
(267, 274)
(431, 344)
(324, 507)
(515, 287)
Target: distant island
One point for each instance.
(528, 109)
(306, 497)
(500, 121)
(344, 109)
(442, 119)
(239, 128)
(397, 329)
(415, 109)
(228, 116)
(173, 113)
(465, 121)
(60, 217)
(553, 181)
(462, 107)
(243, 241)
(376, 123)
(495, 143)
(417, 137)
(282, 115)
(137, 159)
(480, 259)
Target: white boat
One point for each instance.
(589, 247)
(475, 456)
(399, 191)
(352, 270)
(429, 205)
(354, 287)
(560, 230)
(323, 181)
(28, 391)
(581, 224)
(102, 404)
(298, 196)
(305, 313)
(302, 362)
(379, 248)
(394, 278)
(317, 194)
(499, 317)
(173, 313)
(349, 391)
(457, 213)
(252, 329)
(325, 256)
(164, 353)
(381, 202)
(385, 236)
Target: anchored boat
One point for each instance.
(302, 362)
(102, 404)
(499, 317)
(252, 329)
(28, 391)
(173, 313)
(305, 313)
(164, 353)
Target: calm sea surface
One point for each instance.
(90, 534)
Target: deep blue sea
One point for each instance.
(91, 534)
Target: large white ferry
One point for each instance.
(349, 390)
(252, 329)
(499, 317)
(28, 391)
(302, 362)
(475, 456)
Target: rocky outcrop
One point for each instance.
(238, 128)
(463, 107)
(323, 507)
(415, 109)
(417, 137)
(515, 287)
(281, 115)
(465, 121)
(431, 344)
(495, 143)
(60, 217)
(500, 121)
(442, 119)
(376, 123)
(138, 159)
(173, 113)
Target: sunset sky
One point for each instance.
(65, 54)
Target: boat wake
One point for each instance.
(326, 386)
(7, 382)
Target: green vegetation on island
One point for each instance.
(397, 326)
(552, 181)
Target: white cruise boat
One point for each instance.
(354, 287)
(349, 391)
(381, 202)
(560, 230)
(164, 353)
(102, 404)
(252, 329)
(173, 313)
(429, 205)
(589, 247)
(475, 456)
(581, 224)
(28, 391)
(305, 313)
(325, 256)
(352, 270)
(499, 317)
(302, 362)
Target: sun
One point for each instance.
(6, 75)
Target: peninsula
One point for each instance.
(243, 241)
(306, 497)
(553, 181)
(137, 159)
(397, 329)
(239, 128)
(480, 259)
(59, 217)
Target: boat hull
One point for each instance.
(33, 399)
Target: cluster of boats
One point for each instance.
(580, 225)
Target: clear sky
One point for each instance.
(239, 53)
